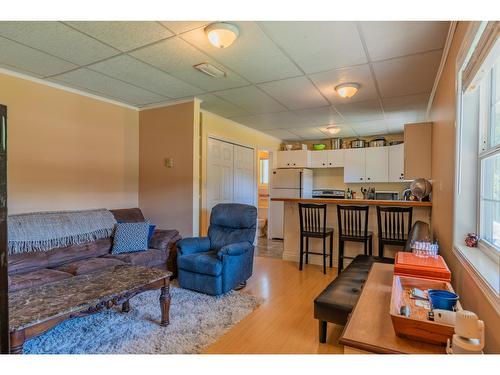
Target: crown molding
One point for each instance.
(169, 103)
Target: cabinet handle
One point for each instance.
(361, 178)
(368, 178)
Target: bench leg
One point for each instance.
(17, 339)
(126, 306)
(322, 331)
(165, 305)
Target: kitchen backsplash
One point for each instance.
(333, 178)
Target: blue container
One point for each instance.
(442, 299)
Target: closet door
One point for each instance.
(4, 308)
(220, 171)
(244, 176)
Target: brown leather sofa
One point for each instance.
(37, 268)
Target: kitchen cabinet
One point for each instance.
(354, 165)
(377, 164)
(294, 159)
(327, 159)
(396, 163)
(418, 151)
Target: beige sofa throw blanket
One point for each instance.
(42, 231)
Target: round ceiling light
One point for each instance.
(222, 34)
(347, 90)
(333, 129)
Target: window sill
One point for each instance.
(483, 269)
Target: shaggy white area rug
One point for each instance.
(196, 320)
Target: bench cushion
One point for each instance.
(148, 258)
(85, 266)
(35, 278)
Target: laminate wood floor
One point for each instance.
(284, 322)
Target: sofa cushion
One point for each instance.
(205, 263)
(63, 255)
(128, 215)
(36, 278)
(130, 237)
(81, 267)
(148, 258)
(26, 262)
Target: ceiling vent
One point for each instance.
(211, 70)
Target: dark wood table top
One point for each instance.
(32, 306)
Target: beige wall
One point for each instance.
(168, 196)
(224, 129)
(68, 151)
(443, 174)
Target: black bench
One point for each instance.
(336, 302)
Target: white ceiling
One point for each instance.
(280, 75)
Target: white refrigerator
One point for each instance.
(287, 183)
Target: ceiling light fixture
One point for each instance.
(333, 129)
(211, 70)
(347, 90)
(222, 34)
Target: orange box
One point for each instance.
(409, 264)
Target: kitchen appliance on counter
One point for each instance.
(287, 183)
(358, 143)
(378, 142)
(386, 195)
(336, 143)
(328, 193)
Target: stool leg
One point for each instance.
(307, 250)
(322, 331)
(331, 250)
(365, 246)
(370, 246)
(324, 255)
(341, 256)
(380, 248)
(301, 251)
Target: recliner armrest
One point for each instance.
(237, 248)
(193, 245)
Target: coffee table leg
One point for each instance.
(165, 305)
(126, 306)
(17, 339)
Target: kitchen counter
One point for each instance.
(368, 202)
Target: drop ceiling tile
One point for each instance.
(57, 39)
(396, 128)
(251, 99)
(321, 116)
(407, 75)
(179, 27)
(253, 55)
(133, 71)
(360, 111)
(177, 57)
(282, 134)
(123, 35)
(96, 82)
(406, 109)
(318, 46)
(361, 74)
(295, 93)
(282, 120)
(221, 107)
(309, 133)
(367, 128)
(388, 39)
(29, 60)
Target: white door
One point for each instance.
(397, 163)
(335, 158)
(220, 180)
(354, 165)
(377, 164)
(244, 183)
(319, 159)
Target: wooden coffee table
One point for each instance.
(34, 311)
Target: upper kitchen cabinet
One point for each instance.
(417, 151)
(377, 164)
(294, 159)
(354, 165)
(396, 163)
(327, 159)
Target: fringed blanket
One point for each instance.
(42, 231)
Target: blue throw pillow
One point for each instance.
(130, 237)
(152, 228)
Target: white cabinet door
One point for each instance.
(354, 165)
(319, 159)
(377, 164)
(244, 176)
(294, 159)
(220, 181)
(397, 163)
(335, 158)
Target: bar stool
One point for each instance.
(391, 226)
(353, 226)
(313, 224)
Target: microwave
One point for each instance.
(387, 195)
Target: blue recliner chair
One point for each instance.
(224, 260)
